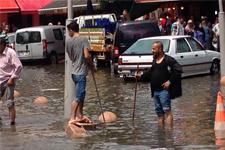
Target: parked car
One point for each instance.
(10, 39)
(185, 49)
(127, 33)
(40, 42)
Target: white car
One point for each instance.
(185, 49)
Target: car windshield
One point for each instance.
(144, 46)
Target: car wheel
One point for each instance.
(53, 59)
(215, 68)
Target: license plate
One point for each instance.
(23, 54)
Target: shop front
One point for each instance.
(7, 8)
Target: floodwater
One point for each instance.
(43, 127)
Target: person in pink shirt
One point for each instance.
(10, 70)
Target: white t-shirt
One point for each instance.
(216, 29)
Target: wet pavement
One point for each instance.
(42, 127)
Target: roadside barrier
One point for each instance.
(16, 93)
(109, 117)
(40, 100)
(219, 125)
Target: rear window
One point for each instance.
(133, 32)
(58, 34)
(144, 46)
(28, 37)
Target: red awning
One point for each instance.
(30, 6)
(152, 1)
(8, 6)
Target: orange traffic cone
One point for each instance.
(219, 125)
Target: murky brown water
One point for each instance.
(42, 127)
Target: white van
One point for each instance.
(40, 42)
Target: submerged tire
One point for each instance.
(215, 68)
(53, 59)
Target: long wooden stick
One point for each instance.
(135, 95)
(96, 88)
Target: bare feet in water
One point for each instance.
(84, 119)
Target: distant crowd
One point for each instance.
(6, 28)
(206, 32)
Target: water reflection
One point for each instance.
(42, 127)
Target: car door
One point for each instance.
(22, 45)
(202, 59)
(36, 44)
(59, 44)
(184, 56)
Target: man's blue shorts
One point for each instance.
(80, 86)
(162, 102)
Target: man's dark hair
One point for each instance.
(73, 26)
(2, 41)
(159, 43)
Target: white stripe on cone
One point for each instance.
(219, 107)
(219, 126)
(220, 134)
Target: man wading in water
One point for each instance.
(10, 70)
(165, 79)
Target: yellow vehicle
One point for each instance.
(99, 30)
(100, 49)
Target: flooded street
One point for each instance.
(42, 127)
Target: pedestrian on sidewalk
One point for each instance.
(216, 35)
(78, 51)
(125, 16)
(190, 28)
(10, 70)
(177, 27)
(165, 80)
(199, 33)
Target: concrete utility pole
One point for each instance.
(69, 92)
(222, 41)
